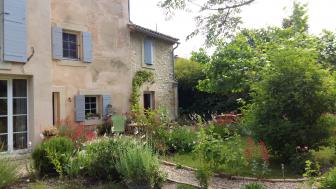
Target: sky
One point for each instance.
(261, 13)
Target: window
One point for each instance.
(148, 51)
(91, 109)
(148, 100)
(70, 45)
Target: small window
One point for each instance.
(91, 108)
(70, 45)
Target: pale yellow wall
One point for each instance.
(110, 71)
(163, 68)
(37, 70)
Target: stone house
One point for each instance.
(69, 59)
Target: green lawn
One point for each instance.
(192, 161)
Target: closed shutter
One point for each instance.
(80, 108)
(87, 47)
(148, 51)
(106, 102)
(57, 43)
(15, 31)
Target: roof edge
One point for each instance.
(152, 33)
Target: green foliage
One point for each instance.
(138, 166)
(191, 100)
(204, 175)
(102, 155)
(288, 102)
(228, 153)
(253, 186)
(52, 156)
(139, 79)
(8, 173)
(327, 49)
(328, 180)
(312, 169)
(184, 186)
(200, 56)
(298, 21)
(325, 156)
(181, 140)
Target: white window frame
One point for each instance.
(79, 44)
(10, 115)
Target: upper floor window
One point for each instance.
(70, 45)
(148, 51)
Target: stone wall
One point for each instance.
(165, 87)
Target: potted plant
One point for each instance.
(139, 168)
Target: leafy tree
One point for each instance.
(327, 49)
(216, 18)
(288, 102)
(200, 56)
(298, 20)
(191, 100)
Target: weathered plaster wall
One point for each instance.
(163, 67)
(37, 70)
(110, 71)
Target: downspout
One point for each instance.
(175, 84)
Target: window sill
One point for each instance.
(72, 62)
(148, 66)
(97, 121)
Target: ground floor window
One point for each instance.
(148, 100)
(13, 114)
(91, 107)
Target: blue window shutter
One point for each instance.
(87, 47)
(57, 43)
(80, 108)
(106, 102)
(148, 51)
(15, 31)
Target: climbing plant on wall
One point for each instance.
(139, 79)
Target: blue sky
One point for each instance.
(261, 13)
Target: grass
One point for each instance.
(8, 173)
(191, 160)
(42, 185)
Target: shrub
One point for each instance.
(257, 157)
(253, 186)
(326, 156)
(8, 173)
(51, 156)
(203, 175)
(181, 140)
(328, 180)
(139, 166)
(289, 101)
(102, 155)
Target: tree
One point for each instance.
(216, 19)
(290, 100)
(191, 100)
(327, 49)
(200, 56)
(298, 20)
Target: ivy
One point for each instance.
(139, 79)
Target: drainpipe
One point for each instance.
(175, 84)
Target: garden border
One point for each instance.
(227, 176)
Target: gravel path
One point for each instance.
(188, 177)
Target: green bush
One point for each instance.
(181, 140)
(203, 175)
(139, 166)
(253, 186)
(289, 102)
(51, 157)
(328, 180)
(8, 173)
(102, 155)
(326, 156)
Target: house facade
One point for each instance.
(69, 60)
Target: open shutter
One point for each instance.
(15, 31)
(106, 102)
(148, 51)
(87, 47)
(57, 43)
(80, 108)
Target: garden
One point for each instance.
(277, 86)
